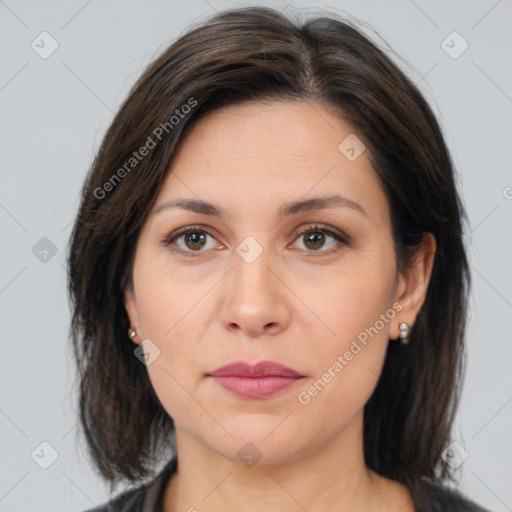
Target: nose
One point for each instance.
(255, 300)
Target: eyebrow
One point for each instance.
(287, 209)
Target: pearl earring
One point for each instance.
(132, 333)
(404, 332)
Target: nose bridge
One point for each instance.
(251, 272)
(254, 302)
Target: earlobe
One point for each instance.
(412, 288)
(131, 310)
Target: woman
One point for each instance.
(269, 281)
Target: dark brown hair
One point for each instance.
(253, 54)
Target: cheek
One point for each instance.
(356, 308)
(349, 363)
(164, 298)
(171, 385)
(168, 308)
(349, 301)
(167, 315)
(173, 373)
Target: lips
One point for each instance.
(255, 381)
(262, 369)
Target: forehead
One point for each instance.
(269, 153)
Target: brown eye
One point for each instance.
(195, 240)
(189, 240)
(316, 238)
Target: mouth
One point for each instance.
(255, 381)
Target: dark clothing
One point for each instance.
(149, 497)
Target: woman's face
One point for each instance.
(255, 280)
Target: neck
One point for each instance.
(208, 481)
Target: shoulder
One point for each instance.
(439, 498)
(129, 501)
(147, 497)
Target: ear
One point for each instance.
(133, 315)
(411, 289)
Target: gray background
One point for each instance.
(54, 112)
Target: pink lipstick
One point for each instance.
(255, 381)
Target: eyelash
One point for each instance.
(317, 228)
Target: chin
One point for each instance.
(257, 441)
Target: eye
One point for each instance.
(192, 238)
(314, 238)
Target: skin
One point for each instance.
(298, 303)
